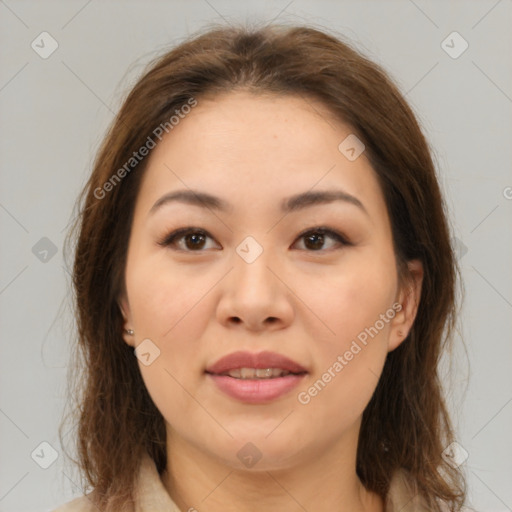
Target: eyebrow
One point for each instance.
(290, 204)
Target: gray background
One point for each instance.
(55, 111)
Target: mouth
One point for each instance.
(256, 378)
(258, 373)
(255, 365)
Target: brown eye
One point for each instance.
(187, 239)
(194, 241)
(314, 239)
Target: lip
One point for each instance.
(260, 360)
(255, 391)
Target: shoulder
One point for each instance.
(81, 504)
(403, 494)
(150, 493)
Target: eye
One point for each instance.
(195, 239)
(314, 239)
(187, 239)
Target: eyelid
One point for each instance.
(325, 230)
(169, 238)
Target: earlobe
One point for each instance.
(128, 334)
(409, 299)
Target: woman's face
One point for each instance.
(255, 273)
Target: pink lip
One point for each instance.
(255, 391)
(260, 360)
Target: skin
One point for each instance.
(304, 300)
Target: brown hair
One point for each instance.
(406, 424)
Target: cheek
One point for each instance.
(351, 343)
(171, 308)
(165, 298)
(348, 363)
(350, 298)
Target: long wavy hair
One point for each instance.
(406, 424)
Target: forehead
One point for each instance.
(254, 149)
(236, 125)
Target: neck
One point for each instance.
(326, 482)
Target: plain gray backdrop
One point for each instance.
(54, 111)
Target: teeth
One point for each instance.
(260, 373)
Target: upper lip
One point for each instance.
(262, 360)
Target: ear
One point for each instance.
(408, 297)
(127, 317)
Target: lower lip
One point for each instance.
(256, 391)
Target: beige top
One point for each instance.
(153, 497)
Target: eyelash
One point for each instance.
(171, 238)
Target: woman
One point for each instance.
(264, 285)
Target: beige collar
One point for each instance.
(153, 496)
(403, 495)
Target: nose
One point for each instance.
(254, 296)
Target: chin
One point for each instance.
(256, 450)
